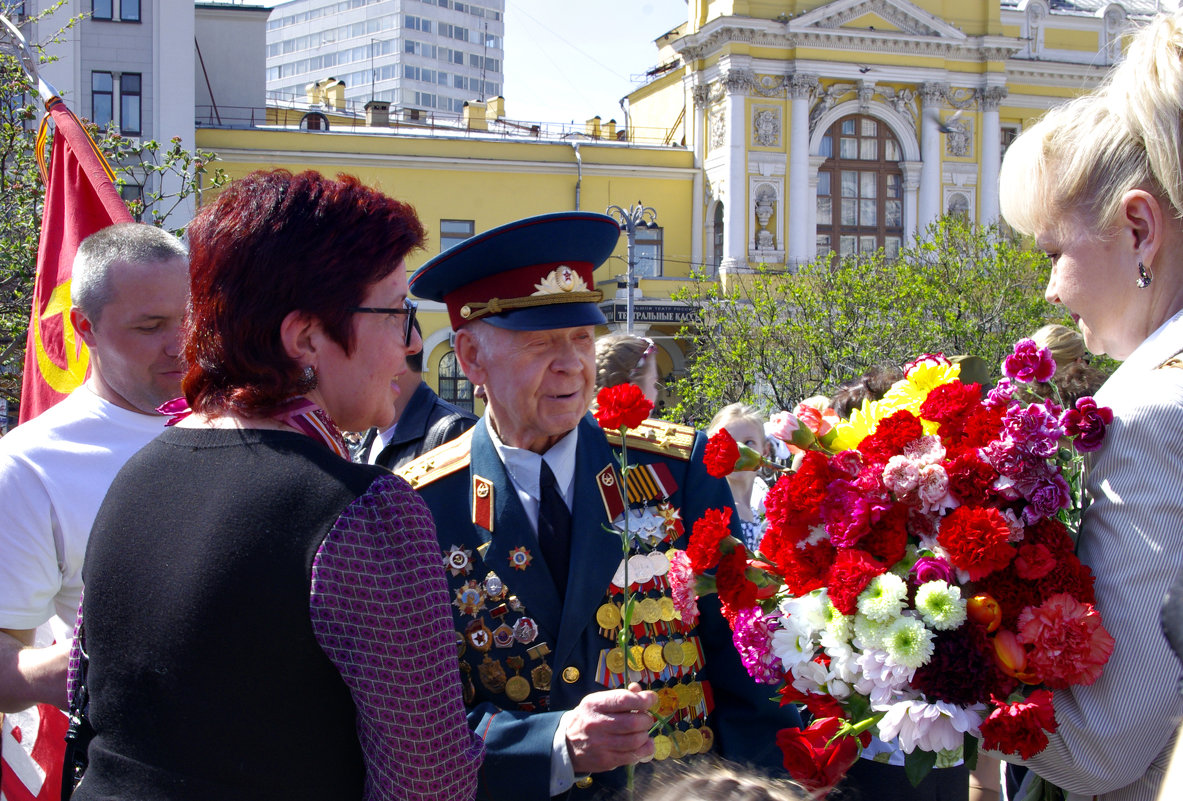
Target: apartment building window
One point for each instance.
(649, 246)
(127, 10)
(102, 98)
(455, 387)
(860, 199)
(102, 101)
(453, 232)
(130, 103)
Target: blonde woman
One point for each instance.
(746, 425)
(627, 359)
(1099, 184)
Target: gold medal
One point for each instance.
(689, 654)
(615, 661)
(517, 688)
(636, 657)
(693, 741)
(708, 739)
(696, 688)
(679, 738)
(666, 606)
(492, 675)
(667, 701)
(661, 747)
(608, 616)
(653, 659)
(672, 651)
(685, 695)
(649, 610)
(541, 676)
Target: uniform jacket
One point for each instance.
(427, 422)
(466, 481)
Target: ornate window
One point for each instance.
(860, 189)
(455, 387)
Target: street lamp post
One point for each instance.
(637, 216)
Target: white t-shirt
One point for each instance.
(54, 472)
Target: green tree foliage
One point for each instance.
(772, 338)
(169, 173)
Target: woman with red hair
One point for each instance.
(264, 619)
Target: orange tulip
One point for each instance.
(985, 610)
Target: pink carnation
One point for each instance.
(1069, 644)
(934, 489)
(681, 578)
(752, 637)
(782, 425)
(901, 475)
(1087, 423)
(1029, 363)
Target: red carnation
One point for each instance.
(622, 406)
(890, 437)
(1034, 561)
(1020, 728)
(796, 500)
(850, 574)
(970, 479)
(1051, 533)
(804, 569)
(722, 452)
(709, 530)
(888, 538)
(736, 591)
(811, 759)
(951, 402)
(977, 540)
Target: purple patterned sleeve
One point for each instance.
(379, 609)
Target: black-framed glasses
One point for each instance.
(407, 311)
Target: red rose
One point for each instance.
(736, 591)
(890, 437)
(1020, 728)
(708, 531)
(621, 406)
(811, 759)
(850, 574)
(722, 452)
(977, 540)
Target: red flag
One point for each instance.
(80, 198)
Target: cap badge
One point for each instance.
(559, 280)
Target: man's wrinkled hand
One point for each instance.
(611, 728)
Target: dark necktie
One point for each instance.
(554, 528)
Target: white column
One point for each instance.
(930, 154)
(801, 245)
(991, 159)
(912, 171)
(698, 97)
(815, 163)
(735, 211)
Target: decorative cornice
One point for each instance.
(992, 96)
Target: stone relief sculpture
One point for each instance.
(766, 126)
(765, 206)
(718, 127)
(958, 137)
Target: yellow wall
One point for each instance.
(1060, 39)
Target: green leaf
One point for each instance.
(970, 750)
(917, 765)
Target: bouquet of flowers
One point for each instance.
(917, 576)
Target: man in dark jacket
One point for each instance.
(423, 421)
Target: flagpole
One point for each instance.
(28, 61)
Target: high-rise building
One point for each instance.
(417, 55)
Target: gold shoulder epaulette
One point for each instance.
(435, 464)
(659, 436)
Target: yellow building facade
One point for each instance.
(771, 132)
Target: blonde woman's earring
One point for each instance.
(1144, 276)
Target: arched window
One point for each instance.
(860, 189)
(454, 385)
(717, 243)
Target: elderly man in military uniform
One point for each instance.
(528, 510)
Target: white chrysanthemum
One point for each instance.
(941, 605)
(908, 642)
(835, 687)
(810, 677)
(806, 613)
(844, 664)
(867, 633)
(930, 727)
(880, 679)
(883, 599)
(792, 646)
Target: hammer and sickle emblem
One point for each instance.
(61, 379)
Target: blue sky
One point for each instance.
(569, 60)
